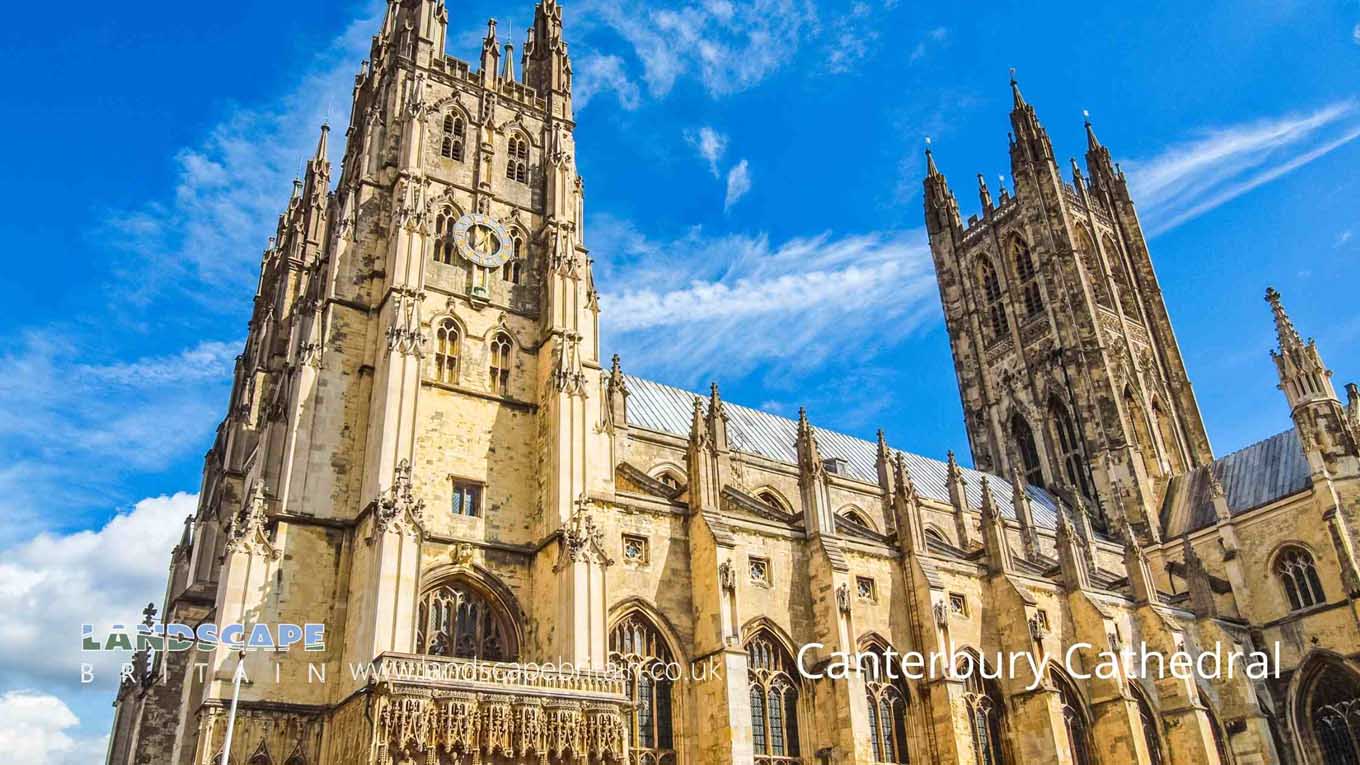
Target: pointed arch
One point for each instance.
(501, 358)
(513, 270)
(1151, 721)
(1027, 450)
(639, 646)
(857, 516)
(775, 688)
(1026, 274)
(1166, 431)
(1127, 298)
(517, 157)
(1295, 570)
(1090, 262)
(1076, 716)
(986, 709)
(775, 499)
(453, 135)
(444, 247)
(1216, 730)
(1141, 430)
(670, 474)
(261, 755)
(1325, 708)
(448, 345)
(989, 287)
(468, 614)
(887, 700)
(1068, 445)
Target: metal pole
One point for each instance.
(235, 696)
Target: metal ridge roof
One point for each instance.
(665, 409)
(1253, 476)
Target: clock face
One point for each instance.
(482, 240)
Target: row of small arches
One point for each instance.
(453, 140)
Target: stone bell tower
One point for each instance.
(1067, 364)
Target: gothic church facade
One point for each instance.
(426, 452)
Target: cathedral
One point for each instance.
(521, 553)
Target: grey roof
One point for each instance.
(664, 409)
(1257, 475)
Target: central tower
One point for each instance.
(1068, 368)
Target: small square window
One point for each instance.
(864, 587)
(958, 604)
(1041, 617)
(635, 549)
(467, 499)
(760, 570)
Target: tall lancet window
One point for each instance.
(513, 270)
(991, 295)
(452, 145)
(1095, 275)
(444, 247)
(1028, 277)
(1027, 451)
(456, 619)
(500, 364)
(637, 648)
(773, 685)
(1069, 448)
(986, 712)
(886, 700)
(1076, 719)
(446, 351)
(517, 159)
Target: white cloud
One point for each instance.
(65, 416)
(710, 144)
(100, 577)
(696, 305)
(596, 74)
(1343, 238)
(932, 39)
(1193, 177)
(1355, 34)
(34, 730)
(232, 185)
(738, 183)
(728, 46)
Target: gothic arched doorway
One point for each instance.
(1327, 713)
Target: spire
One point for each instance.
(698, 428)
(1024, 514)
(1018, 99)
(999, 558)
(942, 210)
(1092, 143)
(883, 461)
(547, 68)
(616, 390)
(508, 74)
(1142, 584)
(1285, 333)
(911, 536)
(958, 498)
(931, 170)
(321, 142)
(491, 53)
(984, 195)
(717, 418)
(1072, 555)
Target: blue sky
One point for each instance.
(753, 197)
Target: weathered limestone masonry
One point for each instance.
(424, 452)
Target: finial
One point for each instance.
(1092, 143)
(931, 170)
(1086, 115)
(1015, 91)
(1284, 327)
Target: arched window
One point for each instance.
(457, 619)
(500, 364)
(1221, 738)
(774, 501)
(1330, 709)
(443, 237)
(1142, 433)
(517, 159)
(1297, 574)
(1124, 286)
(295, 760)
(636, 646)
(986, 711)
(1151, 725)
(260, 758)
(772, 683)
(991, 295)
(1086, 251)
(935, 535)
(1027, 276)
(886, 700)
(1074, 716)
(513, 270)
(1027, 450)
(446, 351)
(857, 518)
(669, 479)
(1069, 448)
(452, 146)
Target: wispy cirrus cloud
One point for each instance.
(597, 74)
(738, 184)
(1192, 177)
(727, 45)
(209, 231)
(710, 144)
(699, 304)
